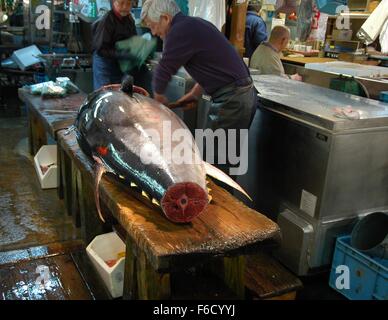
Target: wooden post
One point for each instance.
(231, 270)
(151, 285)
(75, 196)
(38, 133)
(66, 179)
(59, 172)
(91, 225)
(30, 135)
(130, 280)
(141, 281)
(233, 273)
(237, 33)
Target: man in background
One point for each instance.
(255, 29)
(116, 25)
(267, 57)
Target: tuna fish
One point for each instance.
(114, 129)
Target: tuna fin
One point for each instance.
(100, 170)
(223, 177)
(156, 202)
(133, 185)
(145, 195)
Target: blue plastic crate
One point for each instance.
(384, 96)
(59, 50)
(368, 277)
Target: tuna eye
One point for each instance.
(183, 201)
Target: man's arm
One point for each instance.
(177, 51)
(192, 96)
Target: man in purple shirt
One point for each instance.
(208, 57)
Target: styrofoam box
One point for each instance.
(103, 248)
(47, 156)
(26, 57)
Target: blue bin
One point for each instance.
(368, 277)
(384, 96)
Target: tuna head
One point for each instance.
(146, 146)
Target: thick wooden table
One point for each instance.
(48, 115)
(156, 247)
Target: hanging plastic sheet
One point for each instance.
(184, 6)
(384, 38)
(211, 10)
(305, 16)
(318, 25)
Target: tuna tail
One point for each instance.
(223, 177)
(100, 170)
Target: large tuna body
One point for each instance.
(119, 129)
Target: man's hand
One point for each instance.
(161, 98)
(189, 100)
(296, 77)
(192, 96)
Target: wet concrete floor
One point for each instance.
(29, 216)
(35, 233)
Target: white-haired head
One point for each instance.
(158, 15)
(153, 9)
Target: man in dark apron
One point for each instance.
(115, 25)
(209, 58)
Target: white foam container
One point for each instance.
(106, 247)
(47, 155)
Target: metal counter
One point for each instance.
(312, 172)
(323, 78)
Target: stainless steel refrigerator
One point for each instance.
(318, 161)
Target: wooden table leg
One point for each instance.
(141, 281)
(66, 179)
(233, 273)
(91, 225)
(75, 197)
(231, 270)
(130, 280)
(60, 190)
(30, 135)
(38, 134)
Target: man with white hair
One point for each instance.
(208, 57)
(212, 62)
